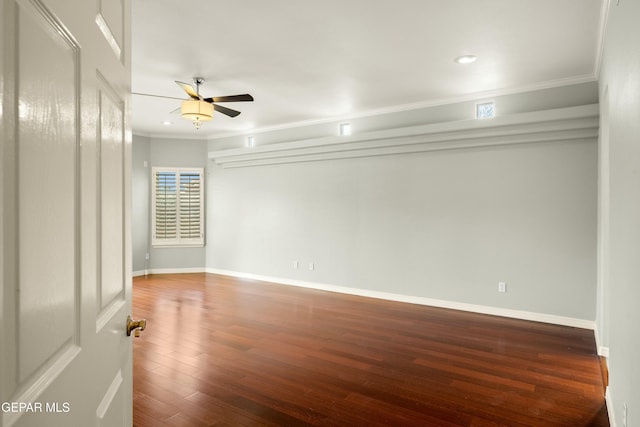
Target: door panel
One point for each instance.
(47, 182)
(110, 140)
(111, 20)
(111, 409)
(65, 358)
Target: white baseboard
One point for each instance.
(608, 400)
(169, 271)
(602, 350)
(496, 311)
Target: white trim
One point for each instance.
(610, 407)
(579, 124)
(550, 84)
(108, 35)
(167, 135)
(495, 311)
(587, 78)
(603, 225)
(108, 397)
(107, 314)
(602, 350)
(178, 245)
(169, 271)
(602, 31)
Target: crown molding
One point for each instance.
(168, 136)
(563, 124)
(602, 32)
(475, 96)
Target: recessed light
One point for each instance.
(466, 59)
(167, 123)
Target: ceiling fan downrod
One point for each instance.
(198, 81)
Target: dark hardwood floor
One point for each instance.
(221, 351)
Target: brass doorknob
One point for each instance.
(135, 325)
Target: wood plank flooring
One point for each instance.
(220, 351)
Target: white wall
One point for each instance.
(169, 153)
(620, 79)
(140, 203)
(442, 225)
(439, 225)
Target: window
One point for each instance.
(251, 141)
(178, 207)
(345, 129)
(486, 110)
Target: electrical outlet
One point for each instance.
(311, 266)
(146, 256)
(502, 287)
(295, 265)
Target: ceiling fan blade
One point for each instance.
(187, 88)
(231, 98)
(224, 110)
(175, 111)
(156, 96)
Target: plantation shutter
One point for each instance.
(190, 205)
(178, 207)
(166, 205)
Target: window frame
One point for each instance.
(178, 241)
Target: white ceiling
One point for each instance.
(307, 61)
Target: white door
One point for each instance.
(64, 213)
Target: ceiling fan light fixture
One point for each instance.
(197, 111)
